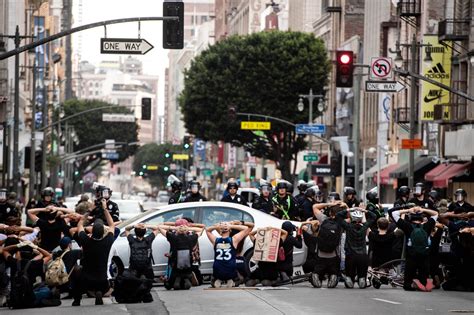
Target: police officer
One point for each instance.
(373, 206)
(264, 201)
(103, 192)
(232, 195)
(194, 193)
(47, 199)
(460, 205)
(419, 198)
(319, 198)
(333, 197)
(350, 197)
(300, 197)
(403, 195)
(434, 197)
(7, 208)
(306, 207)
(284, 205)
(177, 194)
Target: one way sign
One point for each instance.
(383, 86)
(128, 46)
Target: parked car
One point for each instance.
(208, 213)
(129, 208)
(249, 193)
(163, 196)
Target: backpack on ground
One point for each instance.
(418, 242)
(140, 254)
(130, 289)
(21, 292)
(329, 236)
(56, 274)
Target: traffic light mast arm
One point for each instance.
(82, 28)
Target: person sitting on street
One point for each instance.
(381, 243)
(285, 264)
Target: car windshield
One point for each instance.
(133, 219)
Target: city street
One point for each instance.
(299, 299)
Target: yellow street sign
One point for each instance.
(180, 156)
(255, 125)
(152, 167)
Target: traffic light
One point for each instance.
(173, 30)
(167, 155)
(166, 168)
(344, 68)
(186, 142)
(144, 166)
(146, 108)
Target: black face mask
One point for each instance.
(51, 215)
(140, 232)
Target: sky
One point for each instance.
(154, 62)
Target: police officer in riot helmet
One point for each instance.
(460, 205)
(284, 205)
(47, 199)
(374, 206)
(300, 197)
(103, 192)
(194, 193)
(403, 196)
(435, 198)
(333, 197)
(419, 197)
(264, 201)
(177, 194)
(350, 197)
(8, 208)
(319, 198)
(306, 207)
(232, 195)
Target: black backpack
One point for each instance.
(21, 293)
(130, 289)
(329, 236)
(140, 254)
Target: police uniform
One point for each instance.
(424, 203)
(194, 197)
(7, 210)
(285, 207)
(263, 204)
(177, 197)
(236, 199)
(112, 207)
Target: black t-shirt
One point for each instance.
(95, 255)
(354, 202)
(424, 203)
(458, 208)
(190, 197)
(34, 270)
(306, 209)
(70, 258)
(181, 241)
(263, 204)
(381, 247)
(407, 227)
(237, 199)
(51, 232)
(112, 207)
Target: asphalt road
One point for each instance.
(298, 299)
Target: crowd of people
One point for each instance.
(344, 237)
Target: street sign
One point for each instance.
(311, 158)
(180, 156)
(384, 86)
(255, 125)
(381, 68)
(414, 144)
(128, 46)
(110, 156)
(207, 172)
(152, 167)
(321, 170)
(118, 117)
(305, 129)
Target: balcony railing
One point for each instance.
(455, 30)
(409, 8)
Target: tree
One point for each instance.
(92, 132)
(153, 154)
(260, 73)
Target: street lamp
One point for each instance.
(343, 169)
(370, 150)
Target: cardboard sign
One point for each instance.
(266, 245)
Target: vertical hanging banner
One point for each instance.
(41, 60)
(439, 70)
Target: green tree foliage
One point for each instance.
(92, 131)
(154, 154)
(262, 73)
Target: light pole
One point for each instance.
(379, 165)
(343, 169)
(310, 97)
(371, 150)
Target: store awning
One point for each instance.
(421, 163)
(442, 173)
(385, 174)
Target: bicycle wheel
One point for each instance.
(396, 271)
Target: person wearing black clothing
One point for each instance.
(419, 199)
(140, 250)
(264, 201)
(374, 207)
(72, 255)
(301, 197)
(311, 242)
(51, 228)
(284, 205)
(460, 205)
(306, 205)
(350, 197)
(357, 260)
(403, 195)
(95, 248)
(177, 194)
(381, 243)
(285, 267)
(232, 195)
(8, 211)
(416, 263)
(104, 193)
(435, 271)
(194, 195)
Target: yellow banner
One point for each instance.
(180, 156)
(440, 70)
(255, 125)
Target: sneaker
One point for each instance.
(230, 283)
(284, 277)
(177, 283)
(332, 281)
(315, 281)
(429, 285)
(98, 298)
(251, 283)
(362, 283)
(76, 302)
(187, 284)
(419, 285)
(217, 283)
(348, 283)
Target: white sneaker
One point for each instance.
(230, 283)
(217, 283)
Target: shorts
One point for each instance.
(328, 266)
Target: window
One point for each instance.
(171, 216)
(213, 215)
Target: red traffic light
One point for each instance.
(345, 58)
(344, 68)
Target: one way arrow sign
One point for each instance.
(128, 46)
(383, 86)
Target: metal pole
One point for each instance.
(413, 110)
(5, 150)
(16, 115)
(44, 145)
(356, 125)
(33, 140)
(311, 97)
(364, 178)
(68, 70)
(378, 172)
(343, 168)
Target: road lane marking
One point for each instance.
(386, 301)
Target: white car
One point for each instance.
(249, 193)
(129, 208)
(207, 213)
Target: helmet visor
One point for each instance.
(105, 193)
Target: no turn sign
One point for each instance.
(381, 68)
